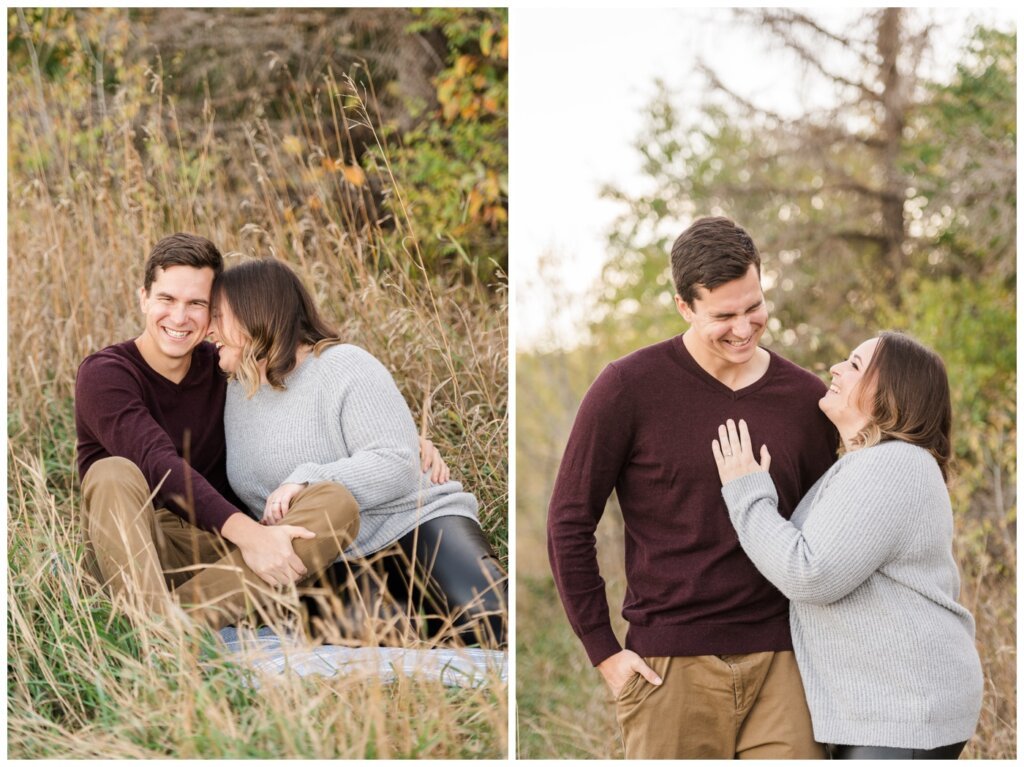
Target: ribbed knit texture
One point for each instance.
(340, 419)
(886, 653)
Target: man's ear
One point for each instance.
(684, 309)
(143, 295)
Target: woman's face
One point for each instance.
(227, 334)
(842, 401)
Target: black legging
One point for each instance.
(458, 589)
(884, 752)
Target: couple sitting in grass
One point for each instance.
(217, 476)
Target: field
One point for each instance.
(94, 181)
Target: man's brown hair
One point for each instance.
(711, 252)
(182, 249)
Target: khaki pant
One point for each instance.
(718, 707)
(141, 554)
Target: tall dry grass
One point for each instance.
(90, 191)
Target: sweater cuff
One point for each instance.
(303, 475)
(600, 644)
(743, 491)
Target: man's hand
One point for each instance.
(617, 669)
(268, 550)
(278, 502)
(430, 458)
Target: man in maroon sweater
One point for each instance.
(708, 671)
(151, 455)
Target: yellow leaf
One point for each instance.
(476, 202)
(490, 185)
(331, 165)
(354, 175)
(464, 65)
(445, 90)
(292, 145)
(491, 216)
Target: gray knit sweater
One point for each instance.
(886, 653)
(340, 419)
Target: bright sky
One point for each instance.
(579, 82)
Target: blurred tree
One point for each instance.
(962, 160)
(829, 196)
(961, 156)
(461, 136)
(433, 84)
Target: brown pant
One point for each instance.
(142, 553)
(718, 707)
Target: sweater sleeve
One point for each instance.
(377, 429)
(860, 520)
(598, 447)
(110, 403)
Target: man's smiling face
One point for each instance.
(177, 309)
(727, 322)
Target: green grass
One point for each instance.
(565, 708)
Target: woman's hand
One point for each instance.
(430, 458)
(278, 503)
(734, 454)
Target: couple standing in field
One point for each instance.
(782, 603)
(215, 476)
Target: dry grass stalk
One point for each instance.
(88, 197)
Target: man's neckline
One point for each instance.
(692, 363)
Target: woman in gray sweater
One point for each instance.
(303, 407)
(885, 650)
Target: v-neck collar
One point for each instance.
(688, 363)
(190, 373)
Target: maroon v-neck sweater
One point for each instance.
(645, 429)
(125, 408)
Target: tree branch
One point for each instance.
(797, 18)
(777, 24)
(852, 235)
(717, 84)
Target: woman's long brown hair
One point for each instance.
(909, 398)
(277, 315)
